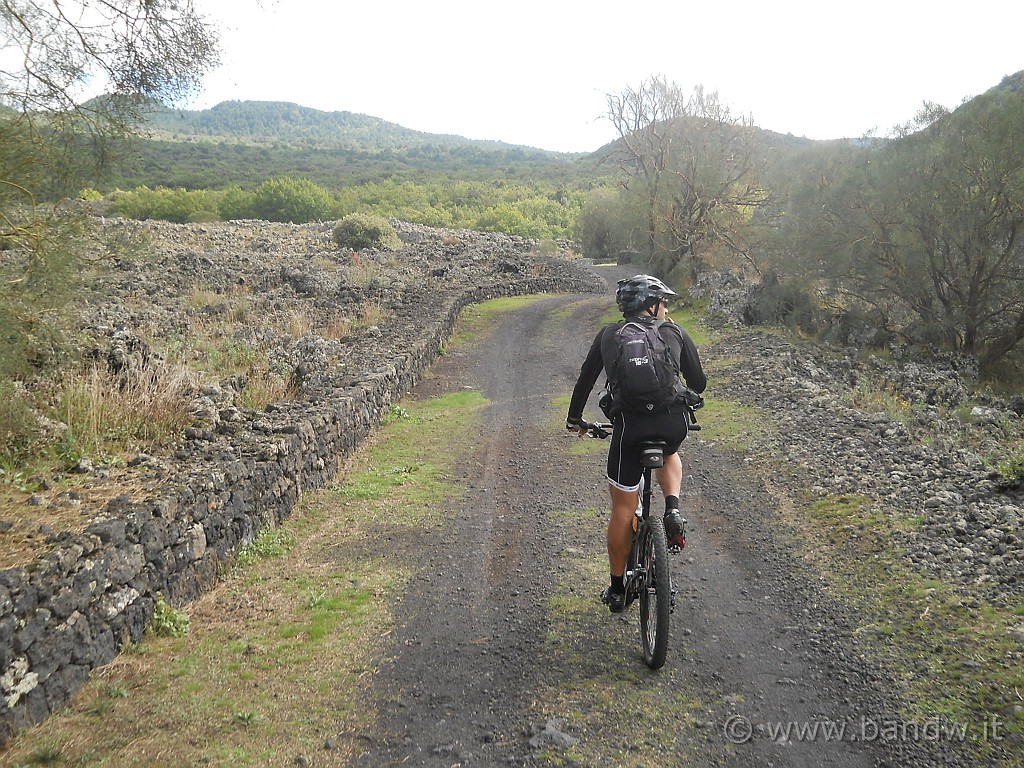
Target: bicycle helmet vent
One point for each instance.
(636, 293)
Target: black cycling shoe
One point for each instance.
(675, 530)
(616, 601)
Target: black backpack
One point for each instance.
(643, 376)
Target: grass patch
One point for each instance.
(586, 446)
(270, 542)
(405, 467)
(477, 321)
(732, 424)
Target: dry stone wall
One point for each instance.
(237, 473)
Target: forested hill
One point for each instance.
(285, 122)
(247, 142)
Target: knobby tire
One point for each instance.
(655, 594)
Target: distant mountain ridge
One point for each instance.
(247, 142)
(292, 123)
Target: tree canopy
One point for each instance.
(54, 54)
(923, 235)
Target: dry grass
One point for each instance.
(298, 323)
(108, 414)
(109, 419)
(873, 398)
(337, 327)
(372, 313)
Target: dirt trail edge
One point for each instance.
(504, 656)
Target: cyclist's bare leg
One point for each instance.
(620, 528)
(670, 475)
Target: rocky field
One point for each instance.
(910, 437)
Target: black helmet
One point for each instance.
(636, 293)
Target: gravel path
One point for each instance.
(506, 657)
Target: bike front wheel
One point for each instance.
(655, 593)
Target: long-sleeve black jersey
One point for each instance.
(602, 354)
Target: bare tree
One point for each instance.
(56, 54)
(965, 219)
(694, 165)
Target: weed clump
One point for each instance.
(168, 621)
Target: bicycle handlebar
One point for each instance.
(603, 431)
(600, 430)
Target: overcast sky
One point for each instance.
(536, 72)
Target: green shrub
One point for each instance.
(177, 205)
(235, 203)
(1013, 467)
(506, 218)
(271, 542)
(292, 200)
(360, 230)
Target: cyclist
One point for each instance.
(644, 299)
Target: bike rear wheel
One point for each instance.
(655, 593)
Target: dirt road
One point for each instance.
(505, 656)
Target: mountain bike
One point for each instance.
(648, 577)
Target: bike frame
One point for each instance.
(634, 569)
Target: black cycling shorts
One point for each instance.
(630, 429)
